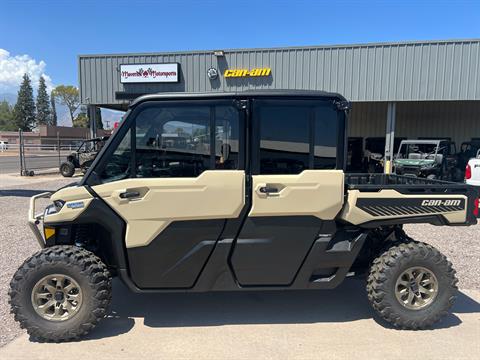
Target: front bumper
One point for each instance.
(35, 219)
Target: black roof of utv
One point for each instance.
(240, 94)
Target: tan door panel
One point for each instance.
(215, 194)
(313, 192)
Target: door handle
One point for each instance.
(129, 194)
(268, 190)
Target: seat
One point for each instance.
(439, 159)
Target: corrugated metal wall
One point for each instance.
(417, 71)
(367, 119)
(458, 120)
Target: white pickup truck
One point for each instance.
(472, 171)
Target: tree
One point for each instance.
(81, 120)
(24, 110)
(43, 104)
(53, 115)
(69, 96)
(6, 117)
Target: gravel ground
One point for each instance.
(16, 240)
(460, 244)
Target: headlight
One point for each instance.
(58, 204)
(49, 210)
(54, 208)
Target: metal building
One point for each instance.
(406, 89)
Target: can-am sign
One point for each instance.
(149, 73)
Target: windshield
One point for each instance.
(91, 145)
(417, 151)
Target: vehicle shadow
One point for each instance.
(21, 192)
(346, 303)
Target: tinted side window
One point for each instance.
(326, 137)
(119, 164)
(284, 139)
(177, 141)
(173, 141)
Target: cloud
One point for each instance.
(12, 69)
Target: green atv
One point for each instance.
(432, 159)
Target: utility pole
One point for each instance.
(92, 118)
(389, 138)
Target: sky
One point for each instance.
(45, 37)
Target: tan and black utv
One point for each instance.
(235, 191)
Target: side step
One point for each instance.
(330, 260)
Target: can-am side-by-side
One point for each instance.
(231, 192)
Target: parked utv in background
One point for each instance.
(83, 157)
(249, 195)
(374, 153)
(355, 161)
(432, 159)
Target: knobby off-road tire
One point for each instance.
(84, 270)
(67, 169)
(389, 269)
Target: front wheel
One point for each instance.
(67, 169)
(60, 293)
(412, 285)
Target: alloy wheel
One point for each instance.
(57, 297)
(416, 288)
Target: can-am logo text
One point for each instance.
(449, 202)
(235, 73)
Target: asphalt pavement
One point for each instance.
(11, 164)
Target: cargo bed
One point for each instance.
(357, 180)
(383, 199)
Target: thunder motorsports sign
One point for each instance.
(149, 73)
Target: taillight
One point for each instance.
(475, 209)
(468, 172)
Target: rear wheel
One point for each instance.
(60, 293)
(412, 285)
(67, 169)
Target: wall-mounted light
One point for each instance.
(219, 53)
